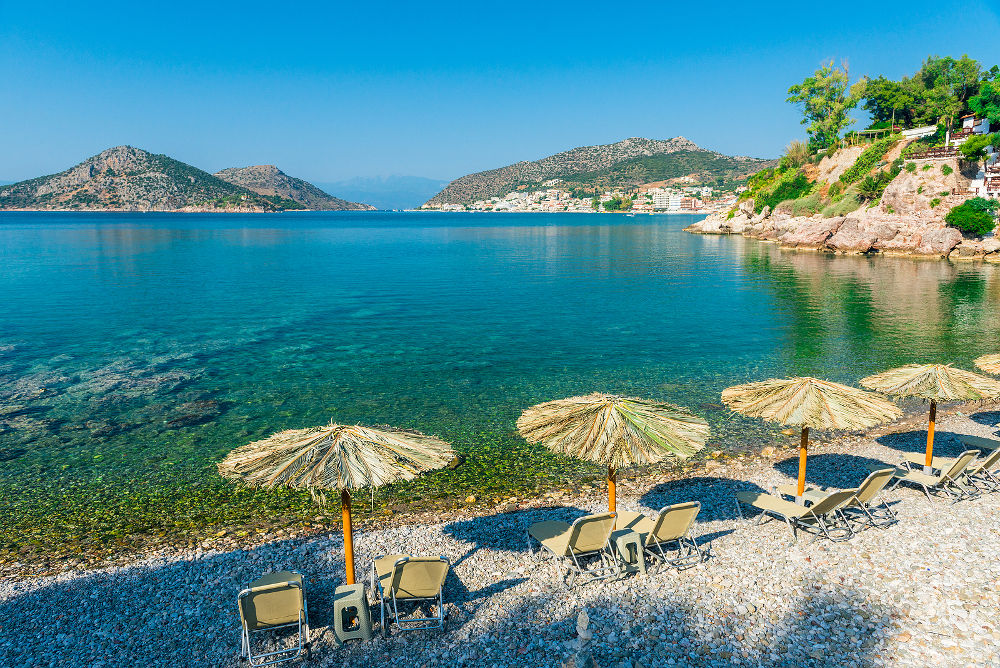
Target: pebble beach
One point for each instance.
(920, 593)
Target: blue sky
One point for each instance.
(328, 91)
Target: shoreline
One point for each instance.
(886, 597)
(416, 513)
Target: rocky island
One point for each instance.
(125, 178)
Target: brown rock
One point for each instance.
(938, 242)
(851, 237)
(812, 233)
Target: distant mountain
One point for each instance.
(125, 178)
(270, 181)
(388, 192)
(625, 164)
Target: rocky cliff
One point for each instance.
(907, 220)
(270, 181)
(628, 163)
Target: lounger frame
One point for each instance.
(282, 655)
(949, 482)
(688, 551)
(608, 568)
(390, 601)
(810, 522)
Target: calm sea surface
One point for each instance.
(136, 350)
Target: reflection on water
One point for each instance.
(155, 343)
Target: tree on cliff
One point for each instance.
(987, 103)
(826, 98)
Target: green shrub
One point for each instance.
(731, 214)
(920, 190)
(835, 190)
(926, 167)
(974, 148)
(870, 157)
(911, 167)
(808, 205)
(946, 169)
(944, 193)
(790, 185)
(889, 209)
(849, 202)
(935, 202)
(975, 216)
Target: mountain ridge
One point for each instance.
(642, 160)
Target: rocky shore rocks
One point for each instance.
(908, 220)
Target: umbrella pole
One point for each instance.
(803, 447)
(612, 503)
(930, 437)
(345, 510)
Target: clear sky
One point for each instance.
(332, 90)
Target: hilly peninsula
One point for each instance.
(626, 164)
(125, 178)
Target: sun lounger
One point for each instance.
(867, 503)
(824, 518)
(671, 528)
(985, 472)
(949, 481)
(573, 545)
(403, 578)
(272, 602)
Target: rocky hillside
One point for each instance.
(907, 219)
(270, 181)
(628, 163)
(125, 178)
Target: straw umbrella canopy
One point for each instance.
(614, 431)
(989, 364)
(935, 383)
(809, 403)
(346, 458)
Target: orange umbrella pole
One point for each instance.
(930, 434)
(345, 509)
(612, 504)
(803, 447)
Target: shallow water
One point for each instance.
(137, 349)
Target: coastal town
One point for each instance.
(644, 199)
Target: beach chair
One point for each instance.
(985, 472)
(949, 481)
(273, 602)
(403, 578)
(671, 528)
(867, 504)
(573, 545)
(825, 517)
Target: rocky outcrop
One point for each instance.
(270, 181)
(908, 220)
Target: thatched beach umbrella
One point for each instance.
(936, 383)
(809, 403)
(614, 431)
(336, 456)
(989, 364)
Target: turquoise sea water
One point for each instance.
(137, 349)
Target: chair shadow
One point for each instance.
(715, 494)
(832, 470)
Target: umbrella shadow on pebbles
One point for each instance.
(832, 470)
(505, 531)
(945, 443)
(715, 494)
(988, 418)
